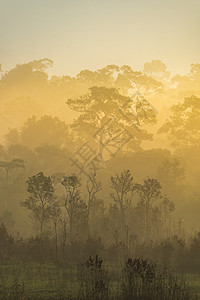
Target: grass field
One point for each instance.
(70, 281)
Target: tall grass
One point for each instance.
(92, 279)
(143, 280)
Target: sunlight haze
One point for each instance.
(89, 34)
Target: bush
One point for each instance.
(94, 282)
(143, 280)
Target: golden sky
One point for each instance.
(89, 34)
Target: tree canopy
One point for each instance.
(183, 125)
(109, 119)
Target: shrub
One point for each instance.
(94, 282)
(143, 280)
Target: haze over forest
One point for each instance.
(99, 149)
(41, 126)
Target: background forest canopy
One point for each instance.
(93, 135)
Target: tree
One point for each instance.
(6, 243)
(31, 70)
(93, 188)
(109, 120)
(12, 137)
(41, 198)
(171, 171)
(102, 77)
(8, 166)
(167, 207)
(17, 110)
(156, 69)
(29, 79)
(183, 126)
(123, 187)
(148, 192)
(129, 81)
(74, 205)
(52, 158)
(8, 219)
(55, 215)
(47, 130)
(123, 78)
(189, 83)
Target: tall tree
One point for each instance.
(47, 130)
(167, 208)
(171, 171)
(156, 69)
(55, 215)
(74, 205)
(148, 192)
(8, 166)
(123, 187)
(190, 83)
(41, 199)
(183, 126)
(109, 120)
(93, 187)
(130, 81)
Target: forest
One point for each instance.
(99, 183)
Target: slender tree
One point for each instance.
(55, 215)
(93, 188)
(148, 192)
(74, 205)
(41, 198)
(123, 187)
(8, 166)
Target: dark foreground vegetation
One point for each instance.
(134, 279)
(34, 268)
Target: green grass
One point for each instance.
(50, 281)
(193, 280)
(38, 279)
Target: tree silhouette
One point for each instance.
(148, 192)
(123, 187)
(41, 198)
(109, 120)
(8, 166)
(93, 187)
(47, 130)
(156, 69)
(129, 80)
(183, 126)
(74, 205)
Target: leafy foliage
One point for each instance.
(183, 126)
(41, 199)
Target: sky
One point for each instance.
(90, 34)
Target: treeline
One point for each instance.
(27, 90)
(67, 173)
(138, 222)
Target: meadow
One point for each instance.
(130, 279)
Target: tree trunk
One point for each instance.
(71, 228)
(56, 239)
(6, 190)
(64, 237)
